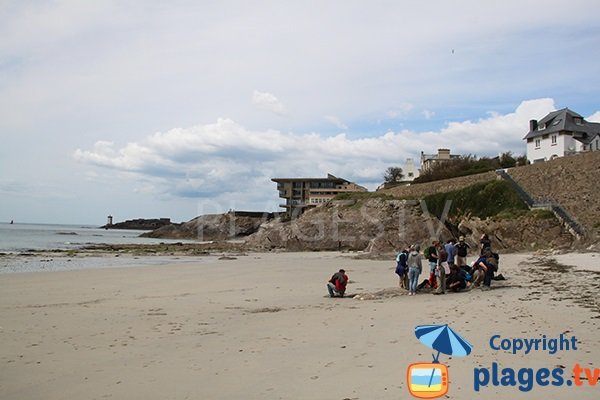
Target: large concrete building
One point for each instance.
(561, 133)
(303, 193)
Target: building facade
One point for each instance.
(410, 170)
(561, 133)
(429, 160)
(303, 193)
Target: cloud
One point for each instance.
(210, 161)
(267, 101)
(427, 114)
(401, 111)
(336, 121)
(594, 117)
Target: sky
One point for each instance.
(148, 109)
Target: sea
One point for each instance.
(19, 243)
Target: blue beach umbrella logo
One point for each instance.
(444, 340)
(430, 380)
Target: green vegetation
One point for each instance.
(469, 165)
(393, 175)
(543, 214)
(483, 200)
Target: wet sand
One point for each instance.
(260, 327)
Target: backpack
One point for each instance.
(426, 253)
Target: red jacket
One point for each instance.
(340, 280)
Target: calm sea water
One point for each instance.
(16, 240)
(24, 237)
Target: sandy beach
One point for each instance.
(259, 326)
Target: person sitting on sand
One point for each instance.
(456, 280)
(337, 284)
(483, 269)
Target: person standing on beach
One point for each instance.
(337, 284)
(402, 268)
(432, 258)
(462, 248)
(451, 251)
(415, 266)
(440, 271)
(485, 243)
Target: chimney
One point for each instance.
(443, 154)
(533, 125)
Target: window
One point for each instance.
(597, 148)
(554, 139)
(556, 122)
(537, 143)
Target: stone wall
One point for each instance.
(571, 181)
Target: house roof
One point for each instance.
(330, 178)
(565, 120)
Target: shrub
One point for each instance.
(481, 200)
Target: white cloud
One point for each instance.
(267, 101)
(336, 121)
(401, 111)
(594, 117)
(427, 114)
(208, 161)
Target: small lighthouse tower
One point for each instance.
(109, 221)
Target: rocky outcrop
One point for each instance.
(140, 224)
(531, 231)
(213, 227)
(375, 225)
(380, 226)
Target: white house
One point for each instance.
(561, 133)
(410, 170)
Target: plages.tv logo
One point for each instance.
(428, 380)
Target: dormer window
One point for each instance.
(556, 122)
(541, 127)
(578, 121)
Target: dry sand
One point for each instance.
(260, 327)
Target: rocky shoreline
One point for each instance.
(140, 224)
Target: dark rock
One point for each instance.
(214, 227)
(140, 224)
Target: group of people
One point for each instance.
(448, 267)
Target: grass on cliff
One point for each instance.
(483, 200)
